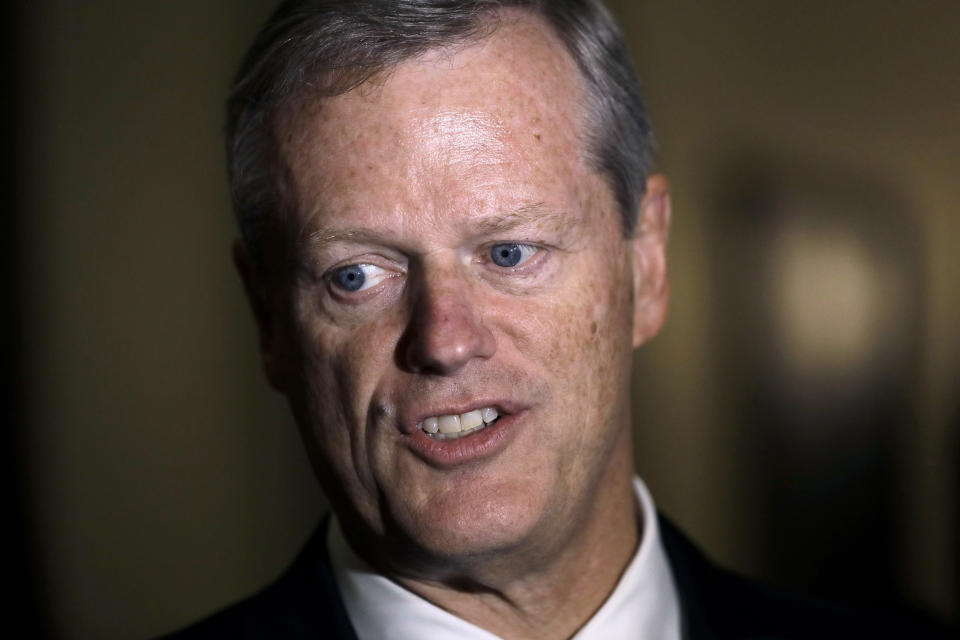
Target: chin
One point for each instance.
(472, 522)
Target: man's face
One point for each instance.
(455, 254)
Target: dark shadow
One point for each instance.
(23, 616)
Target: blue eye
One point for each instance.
(511, 254)
(357, 277)
(350, 278)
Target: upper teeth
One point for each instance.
(456, 425)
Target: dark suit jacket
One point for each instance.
(716, 604)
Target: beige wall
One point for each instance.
(167, 479)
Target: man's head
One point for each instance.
(453, 245)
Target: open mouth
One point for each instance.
(449, 427)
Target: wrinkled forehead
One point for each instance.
(515, 96)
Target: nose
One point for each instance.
(446, 330)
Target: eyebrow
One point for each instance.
(325, 237)
(533, 214)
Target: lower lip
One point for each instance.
(452, 452)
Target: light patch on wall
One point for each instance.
(828, 302)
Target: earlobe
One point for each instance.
(263, 313)
(650, 281)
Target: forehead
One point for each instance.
(491, 124)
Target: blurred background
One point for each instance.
(799, 416)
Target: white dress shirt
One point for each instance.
(644, 605)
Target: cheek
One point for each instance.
(585, 329)
(581, 342)
(343, 360)
(340, 370)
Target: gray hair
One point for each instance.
(324, 48)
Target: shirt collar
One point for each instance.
(644, 603)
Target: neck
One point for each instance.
(554, 598)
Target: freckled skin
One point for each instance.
(418, 174)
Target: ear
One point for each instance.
(269, 324)
(651, 288)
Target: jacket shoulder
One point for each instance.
(719, 604)
(303, 602)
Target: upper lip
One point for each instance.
(412, 420)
